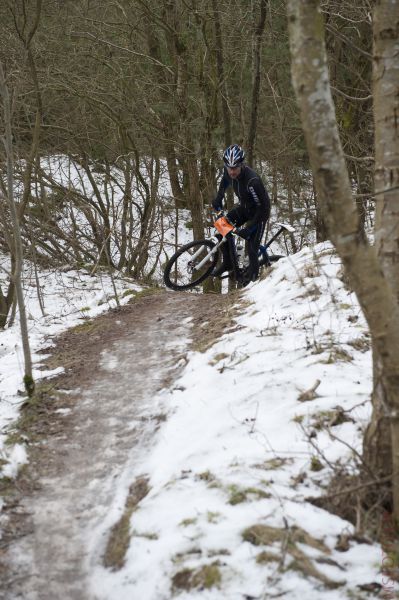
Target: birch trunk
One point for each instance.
(386, 179)
(361, 262)
(17, 271)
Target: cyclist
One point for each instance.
(252, 212)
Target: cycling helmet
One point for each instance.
(233, 156)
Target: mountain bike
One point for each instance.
(196, 261)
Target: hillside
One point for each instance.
(214, 501)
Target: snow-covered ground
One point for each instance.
(229, 471)
(67, 299)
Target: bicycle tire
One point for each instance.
(271, 258)
(275, 257)
(178, 267)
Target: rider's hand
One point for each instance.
(243, 232)
(217, 207)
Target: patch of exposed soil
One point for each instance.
(85, 430)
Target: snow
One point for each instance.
(69, 298)
(228, 417)
(228, 456)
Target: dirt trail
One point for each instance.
(91, 440)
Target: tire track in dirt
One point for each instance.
(90, 439)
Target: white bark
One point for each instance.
(16, 275)
(386, 118)
(362, 266)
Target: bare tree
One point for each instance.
(361, 262)
(386, 108)
(219, 53)
(259, 29)
(16, 234)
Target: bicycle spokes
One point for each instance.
(191, 264)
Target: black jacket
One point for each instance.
(251, 192)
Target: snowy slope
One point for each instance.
(233, 461)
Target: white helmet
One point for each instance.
(233, 156)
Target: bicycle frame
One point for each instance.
(264, 257)
(181, 271)
(208, 256)
(283, 227)
(225, 229)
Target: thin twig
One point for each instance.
(352, 449)
(350, 490)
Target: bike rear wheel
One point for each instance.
(275, 257)
(181, 271)
(267, 259)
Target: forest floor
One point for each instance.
(85, 429)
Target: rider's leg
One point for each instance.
(225, 265)
(237, 216)
(253, 249)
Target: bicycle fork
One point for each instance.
(208, 256)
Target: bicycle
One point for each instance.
(196, 261)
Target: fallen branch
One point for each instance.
(310, 394)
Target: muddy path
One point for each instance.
(87, 433)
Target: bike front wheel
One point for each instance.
(182, 271)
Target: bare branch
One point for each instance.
(90, 36)
(355, 98)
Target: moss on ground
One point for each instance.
(316, 464)
(119, 538)
(188, 522)
(264, 558)
(144, 293)
(238, 495)
(338, 355)
(88, 326)
(330, 418)
(289, 538)
(219, 321)
(202, 578)
(34, 415)
(275, 463)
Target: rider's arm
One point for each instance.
(261, 200)
(217, 203)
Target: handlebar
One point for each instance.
(222, 214)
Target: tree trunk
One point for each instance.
(386, 111)
(17, 272)
(173, 172)
(256, 81)
(360, 260)
(320, 226)
(221, 75)
(195, 202)
(4, 309)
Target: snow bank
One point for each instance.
(233, 455)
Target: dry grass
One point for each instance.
(203, 578)
(289, 538)
(119, 538)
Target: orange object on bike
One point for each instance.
(223, 226)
